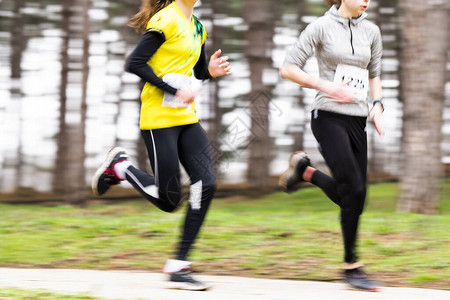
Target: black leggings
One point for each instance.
(166, 148)
(343, 144)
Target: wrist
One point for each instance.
(318, 84)
(374, 102)
(208, 70)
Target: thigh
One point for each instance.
(162, 147)
(359, 144)
(196, 155)
(336, 148)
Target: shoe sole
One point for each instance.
(290, 172)
(374, 289)
(186, 286)
(103, 167)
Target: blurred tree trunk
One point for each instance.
(18, 44)
(383, 159)
(17, 38)
(423, 60)
(69, 172)
(259, 36)
(131, 37)
(59, 177)
(215, 41)
(298, 130)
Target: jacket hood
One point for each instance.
(333, 13)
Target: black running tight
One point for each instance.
(167, 148)
(343, 144)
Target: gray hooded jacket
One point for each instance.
(339, 41)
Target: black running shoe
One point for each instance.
(294, 174)
(358, 279)
(182, 280)
(104, 177)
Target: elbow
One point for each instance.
(132, 65)
(129, 67)
(283, 72)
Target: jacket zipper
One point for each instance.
(351, 37)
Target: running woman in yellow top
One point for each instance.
(170, 50)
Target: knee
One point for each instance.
(210, 188)
(201, 195)
(209, 191)
(361, 196)
(168, 208)
(352, 197)
(171, 200)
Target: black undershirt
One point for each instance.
(147, 46)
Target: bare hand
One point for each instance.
(375, 116)
(336, 91)
(186, 96)
(219, 66)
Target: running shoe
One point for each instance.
(182, 280)
(104, 177)
(294, 174)
(358, 279)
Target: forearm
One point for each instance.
(376, 91)
(375, 88)
(297, 75)
(378, 108)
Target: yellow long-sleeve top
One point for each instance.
(178, 54)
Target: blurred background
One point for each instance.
(65, 99)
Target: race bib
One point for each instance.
(356, 80)
(178, 81)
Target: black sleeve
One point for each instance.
(201, 67)
(137, 62)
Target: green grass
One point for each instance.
(20, 294)
(293, 236)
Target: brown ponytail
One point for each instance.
(148, 9)
(334, 2)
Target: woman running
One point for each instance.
(348, 49)
(172, 46)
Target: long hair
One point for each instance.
(334, 2)
(148, 9)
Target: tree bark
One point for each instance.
(69, 178)
(258, 38)
(18, 45)
(423, 63)
(216, 35)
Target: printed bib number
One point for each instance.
(178, 81)
(355, 79)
